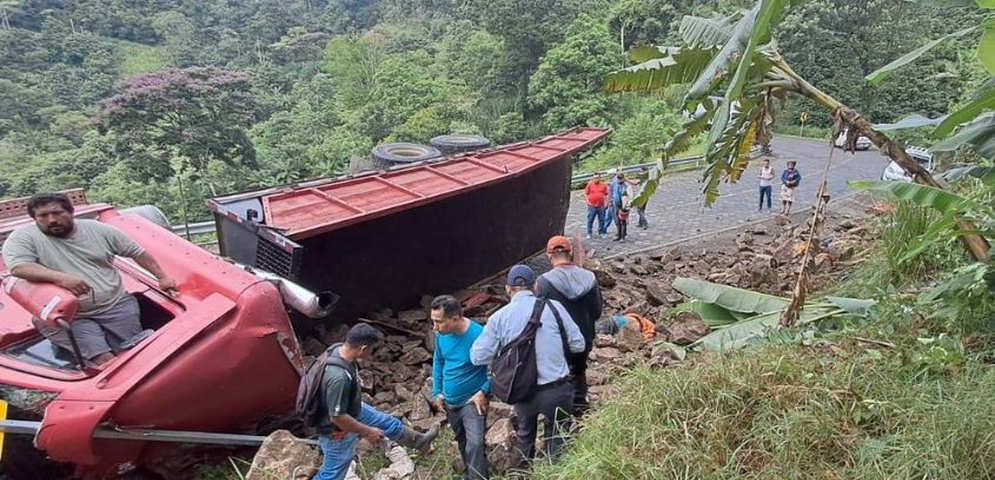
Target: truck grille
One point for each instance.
(273, 258)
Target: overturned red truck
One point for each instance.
(224, 356)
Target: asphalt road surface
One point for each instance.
(677, 212)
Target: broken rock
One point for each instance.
(687, 328)
(415, 356)
(502, 453)
(282, 455)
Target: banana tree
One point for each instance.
(738, 58)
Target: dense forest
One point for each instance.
(171, 101)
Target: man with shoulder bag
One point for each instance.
(341, 415)
(530, 338)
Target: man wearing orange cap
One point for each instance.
(576, 288)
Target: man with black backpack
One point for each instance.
(345, 417)
(552, 394)
(577, 289)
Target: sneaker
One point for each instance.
(588, 236)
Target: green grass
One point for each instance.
(835, 405)
(139, 58)
(843, 410)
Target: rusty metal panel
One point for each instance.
(16, 207)
(304, 212)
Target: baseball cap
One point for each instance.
(521, 276)
(558, 242)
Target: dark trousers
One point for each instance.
(641, 211)
(622, 227)
(554, 403)
(765, 192)
(578, 368)
(469, 427)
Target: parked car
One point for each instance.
(863, 143)
(895, 173)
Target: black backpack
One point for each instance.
(309, 406)
(514, 373)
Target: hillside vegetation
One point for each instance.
(170, 101)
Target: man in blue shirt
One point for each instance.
(554, 394)
(460, 388)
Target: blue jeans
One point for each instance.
(338, 453)
(595, 213)
(469, 429)
(607, 219)
(642, 216)
(765, 192)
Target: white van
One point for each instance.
(863, 143)
(895, 173)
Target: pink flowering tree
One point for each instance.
(196, 115)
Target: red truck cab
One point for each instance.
(223, 356)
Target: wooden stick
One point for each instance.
(876, 342)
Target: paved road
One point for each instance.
(676, 211)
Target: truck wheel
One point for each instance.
(150, 213)
(459, 143)
(390, 154)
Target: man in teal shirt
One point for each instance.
(460, 388)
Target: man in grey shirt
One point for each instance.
(77, 255)
(554, 395)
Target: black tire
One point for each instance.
(459, 143)
(390, 154)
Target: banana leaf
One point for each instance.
(921, 195)
(985, 173)
(979, 135)
(678, 67)
(715, 316)
(707, 32)
(740, 334)
(912, 121)
(984, 100)
(986, 45)
(858, 306)
(878, 75)
(729, 298)
(642, 52)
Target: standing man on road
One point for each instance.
(347, 417)
(459, 387)
(596, 193)
(554, 395)
(577, 289)
(78, 256)
(766, 176)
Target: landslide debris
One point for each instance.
(397, 379)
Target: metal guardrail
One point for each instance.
(584, 177)
(198, 228)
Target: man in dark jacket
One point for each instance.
(577, 289)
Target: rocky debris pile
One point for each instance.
(762, 258)
(397, 379)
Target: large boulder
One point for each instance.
(687, 328)
(502, 451)
(284, 456)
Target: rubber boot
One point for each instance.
(419, 441)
